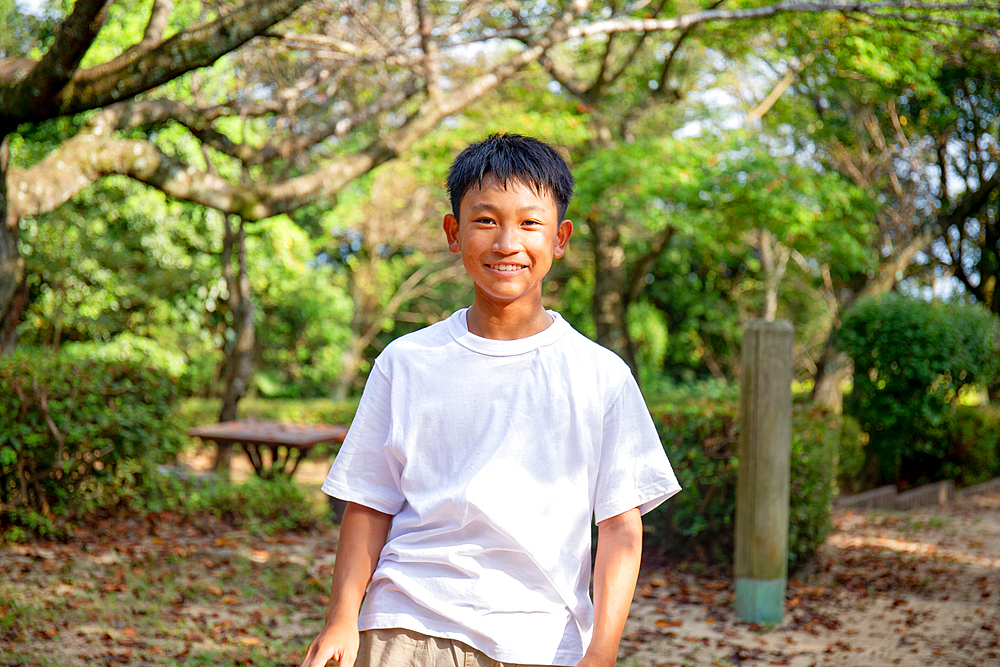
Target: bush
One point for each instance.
(79, 429)
(700, 437)
(259, 505)
(972, 436)
(851, 457)
(911, 359)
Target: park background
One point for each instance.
(219, 210)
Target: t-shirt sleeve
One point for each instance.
(634, 469)
(364, 472)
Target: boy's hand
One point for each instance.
(589, 661)
(363, 533)
(335, 642)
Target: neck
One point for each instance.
(509, 322)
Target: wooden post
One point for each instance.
(761, 563)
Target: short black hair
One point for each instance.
(511, 157)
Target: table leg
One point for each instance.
(299, 455)
(253, 453)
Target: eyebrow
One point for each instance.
(490, 207)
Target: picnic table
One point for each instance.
(287, 443)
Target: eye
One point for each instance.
(483, 221)
(531, 222)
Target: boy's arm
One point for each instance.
(363, 532)
(616, 568)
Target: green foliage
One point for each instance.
(815, 437)
(911, 358)
(972, 434)
(78, 430)
(259, 505)
(129, 347)
(700, 437)
(198, 411)
(648, 329)
(714, 192)
(120, 260)
(851, 456)
(302, 323)
(703, 294)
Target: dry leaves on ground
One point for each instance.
(921, 588)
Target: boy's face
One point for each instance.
(507, 238)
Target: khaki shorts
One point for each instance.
(405, 648)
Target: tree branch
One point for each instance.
(58, 66)
(80, 161)
(159, 15)
(874, 9)
(325, 182)
(123, 79)
(431, 63)
(334, 127)
(970, 203)
(787, 80)
(641, 266)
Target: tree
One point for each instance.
(629, 82)
(881, 127)
(390, 242)
(966, 148)
(714, 197)
(339, 90)
(58, 85)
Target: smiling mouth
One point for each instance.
(505, 268)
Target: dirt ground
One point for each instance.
(917, 588)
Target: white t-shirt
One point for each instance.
(493, 456)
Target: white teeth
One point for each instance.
(505, 267)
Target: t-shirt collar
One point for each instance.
(458, 327)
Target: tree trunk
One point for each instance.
(834, 367)
(363, 286)
(610, 284)
(832, 370)
(773, 261)
(239, 364)
(13, 288)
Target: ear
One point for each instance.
(451, 233)
(562, 238)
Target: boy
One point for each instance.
(481, 448)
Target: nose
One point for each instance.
(507, 240)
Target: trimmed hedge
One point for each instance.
(74, 425)
(912, 358)
(700, 438)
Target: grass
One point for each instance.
(913, 525)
